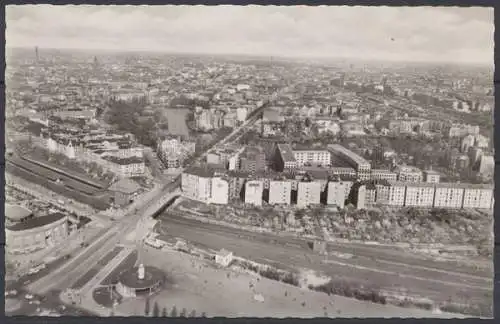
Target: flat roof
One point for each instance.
(36, 222)
(350, 154)
(16, 212)
(286, 152)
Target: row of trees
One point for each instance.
(155, 312)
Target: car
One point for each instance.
(29, 296)
(11, 293)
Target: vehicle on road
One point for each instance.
(29, 296)
(11, 293)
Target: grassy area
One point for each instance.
(103, 296)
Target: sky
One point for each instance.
(429, 34)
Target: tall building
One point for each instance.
(37, 57)
(361, 197)
(220, 191)
(419, 194)
(308, 193)
(253, 192)
(280, 192)
(337, 192)
(397, 191)
(448, 195)
(478, 196)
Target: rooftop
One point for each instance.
(286, 152)
(348, 153)
(16, 212)
(36, 222)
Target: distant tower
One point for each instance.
(96, 62)
(36, 54)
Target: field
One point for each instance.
(176, 118)
(196, 285)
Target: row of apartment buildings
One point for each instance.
(218, 187)
(429, 195)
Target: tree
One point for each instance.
(193, 313)
(203, 314)
(164, 312)
(183, 313)
(147, 307)
(156, 310)
(173, 312)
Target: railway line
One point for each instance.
(56, 182)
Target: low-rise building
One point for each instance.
(124, 191)
(431, 176)
(382, 174)
(305, 156)
(409, 174)
(285, 160)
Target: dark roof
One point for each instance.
(124, 161)
(16, 212)
(36, 222)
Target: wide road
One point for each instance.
(385, 270)
(76, 267)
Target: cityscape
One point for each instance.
(186, 161)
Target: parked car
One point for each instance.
(29, 296)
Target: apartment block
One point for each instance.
(280, 192)
(337, 192)
(419, 194)
(253, 192)
(220, 191)
(448, 195)
(478, 196)
(308, 193)
(397, 192)
(312, 157)
(380, 174)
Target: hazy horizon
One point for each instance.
(381, 34)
